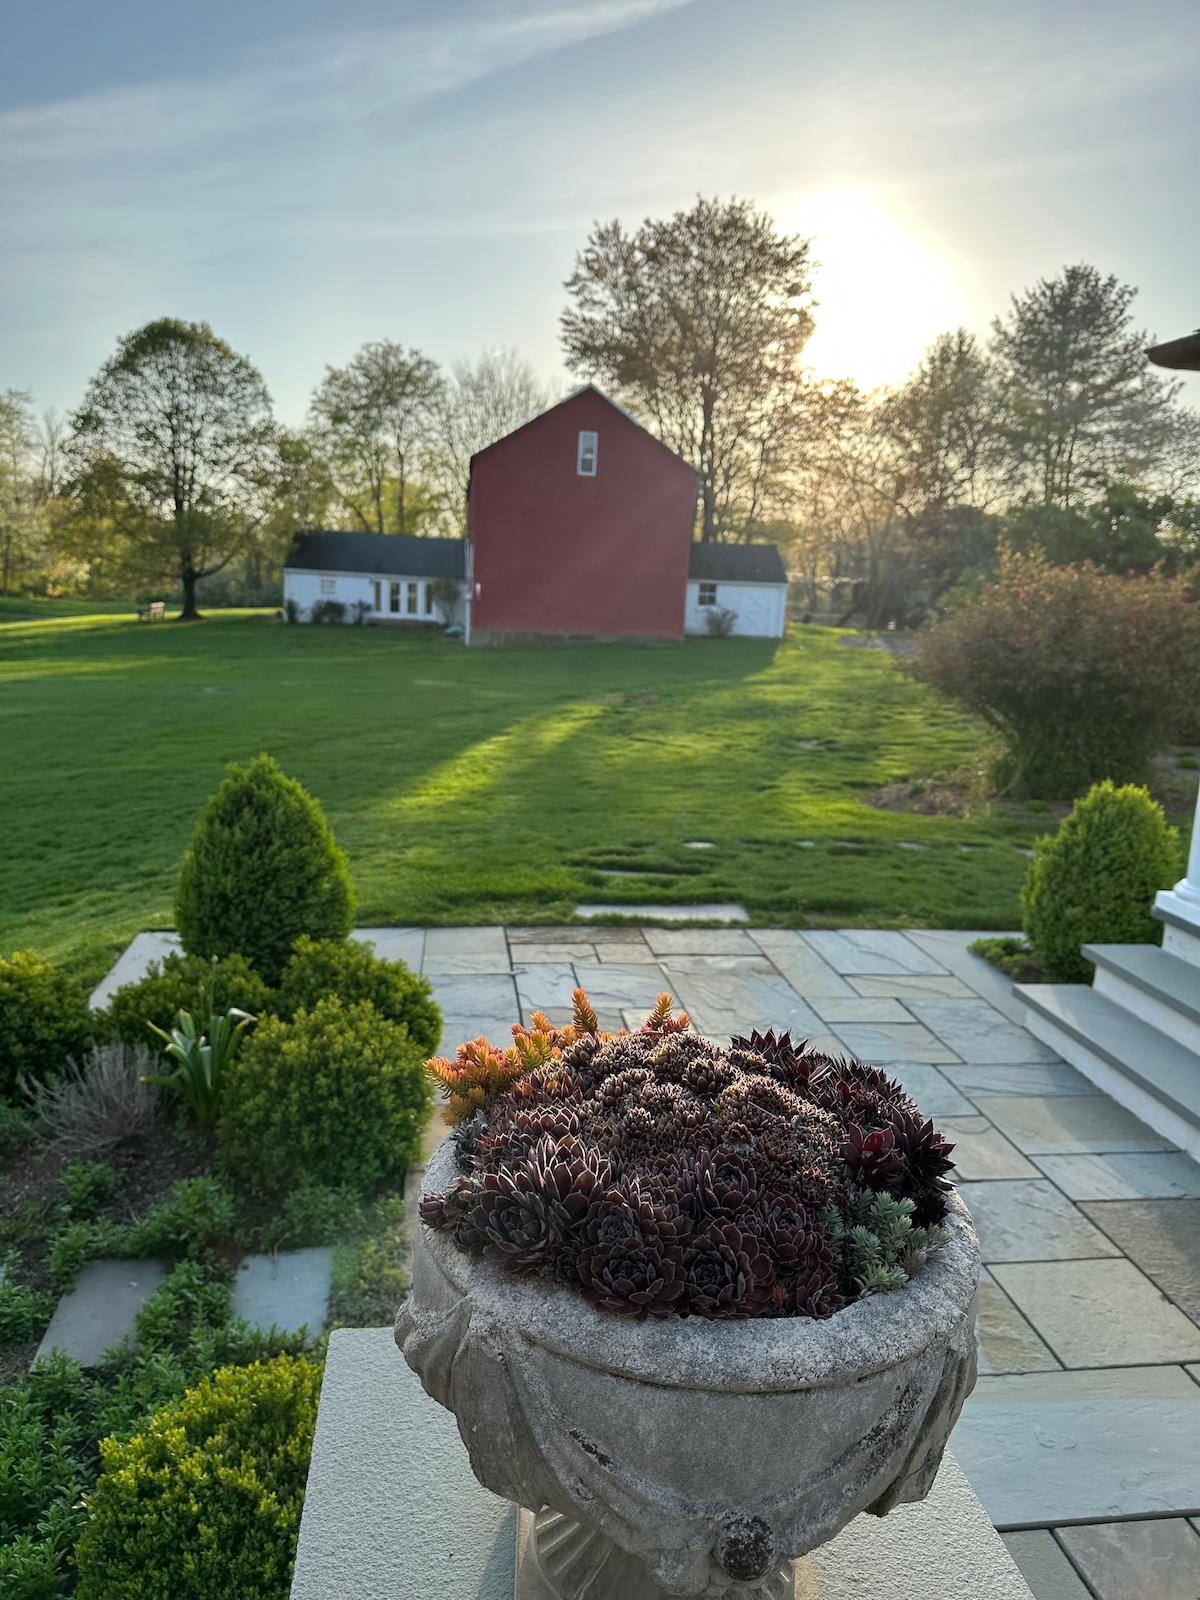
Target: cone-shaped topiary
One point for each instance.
(263, 868)
(1093, 881)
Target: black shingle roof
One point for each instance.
(736, 563)
(396, 554)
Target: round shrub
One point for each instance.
(262, 869)
(184, 983)
(336, 1096)
(44, 1018)
(353, 972)
(205, 1502)
(1093, 881)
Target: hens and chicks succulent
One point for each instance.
(660, 1175)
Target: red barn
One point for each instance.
(579, 523)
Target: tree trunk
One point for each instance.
(189, 613)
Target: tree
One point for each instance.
(697, 323)
(21, 498)
(373, 420)
(180, 427)
(1080, 406)
(479, 405)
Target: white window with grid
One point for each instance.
(585, 462)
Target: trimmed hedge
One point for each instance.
(337, 1096)
(263, 868)
(205, 1502)
(1094, 880)
(353, 971)
(44, 1018)
(184, 983)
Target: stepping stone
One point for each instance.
(1130, 1176)
(982, 1152)
(1044, 1566)
(1007, 1342)
(1052, 1447)
(698, 844)
(99, 1311)
(133, 964)
(289, 1290)
(723, 911)
(1061, 1125)
(1163, 1238)
(465, 950)
(1158, 1559)
(1023, 1220)
(864, 950)
(1099, 1313)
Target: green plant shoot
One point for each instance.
(201, 1059)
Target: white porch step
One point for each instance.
(1181, 927)
(1159, 988)
(1143, 1069)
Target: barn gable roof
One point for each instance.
(567, 399)
(391, 554)
(736, 563)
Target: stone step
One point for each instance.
(1150, 1074)
(1181, 925)
(1153, 985)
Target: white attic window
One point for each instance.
(585, 465)
(328, 585)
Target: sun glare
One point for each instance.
(883, 294)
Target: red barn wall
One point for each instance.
(555, 552)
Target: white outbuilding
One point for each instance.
(385, 578)
(747, 580)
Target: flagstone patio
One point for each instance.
(1082, 1438)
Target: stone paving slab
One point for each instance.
(799, 963)
(627, 955)
(1062, 1125)
(701, 942)
(982, 1152)
(1100, 1313)
(1124, 1176)
(1045, 1567)
(1023, 1079)
(838, 1008)
(484, 994)
(132, 963)
(728, 1004)
(1163, 1238)
(756, 964)
(901, 988)
(99, 1311)
(465, 950)
(1045, 1448)
(975, 1033)
(1007, 1342)
(619, 986)
(1158, 1559)
(894, 1041)
(951, 948)
(395, 944)
(934, 1093)
(1029, 1220)
(878, 954)
(288, 1290)
(538, 954)
(545, 984)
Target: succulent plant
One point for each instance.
(658, 1175)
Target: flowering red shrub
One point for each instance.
(659, 1175)
(1084, 674)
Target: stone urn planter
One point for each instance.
(688, 1457)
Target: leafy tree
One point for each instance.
(178, 426)
(373, 419)
(697, 323)
(479, 405)
(21, 491)
(262, 869)
(1080, 406)
(942, 425)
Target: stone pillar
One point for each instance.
(1179, 908)
(1188, 888)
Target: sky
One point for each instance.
(306, 176)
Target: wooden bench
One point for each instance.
(154, 612)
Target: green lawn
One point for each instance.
(481, 786)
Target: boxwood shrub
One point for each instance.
(183, 983)
(44, 1018)
(262, 869)
(1094, 880)
(336, 1096)
(205, 1501)
(353, 971)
